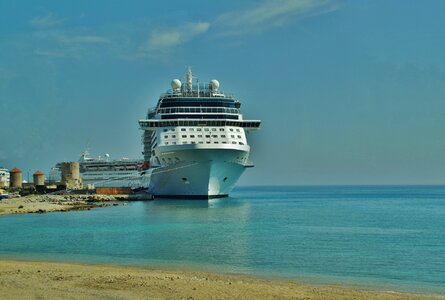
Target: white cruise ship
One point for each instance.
(195, 142)
(4, 177)
(105, 172)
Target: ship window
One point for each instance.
(233, 142)
(173, 136)
(182, 129)
(201, 142)
(165, 130)
(223, 135)
(239, 136)
(166, 143)
(231, 129)
(191, 129)
(200, 135)
(221, 129)
(193, 142)
(232, 136)
(207, 136)
(184, 135)
(224, 142)
(216, 142)
(206, 129)
(198, 129)
(237, 130)
(241, 143)
(192, 136)
(214, 135)
(165, 136)
(207, 142)
(174, 143)
(213, 129)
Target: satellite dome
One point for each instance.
(214, 84)
(176, 84)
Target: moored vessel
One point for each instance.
(195, 142)
(104, 171)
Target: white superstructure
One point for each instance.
(195, 140)
(4, 177)
(105, 172)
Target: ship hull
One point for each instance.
(199, 173)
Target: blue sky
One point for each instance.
(349, 92)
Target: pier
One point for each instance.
(40, 196)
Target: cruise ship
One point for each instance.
(105, 172)
(4, 177)
(195, 142)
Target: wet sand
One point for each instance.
(48, 280)
(51, 203)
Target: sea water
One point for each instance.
(382, 237)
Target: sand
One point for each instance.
(50, 203)
(49, 280)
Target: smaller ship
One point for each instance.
(104, 172)
(4, 177)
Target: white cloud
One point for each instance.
(52, 53)
(271, 13)
(172, 37)
(133, 41)
(84, 39)
(46, 21)
(63, 43)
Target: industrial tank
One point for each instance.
(38, 178)
(15, 178)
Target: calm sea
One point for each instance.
(383, 237)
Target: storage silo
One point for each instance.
(15, 178)
(38, 178)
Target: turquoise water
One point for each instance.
(376, 237)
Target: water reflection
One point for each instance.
(211, 203)
(213, 232)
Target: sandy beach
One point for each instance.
(51, 203)
(49, 280)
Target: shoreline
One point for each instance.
(23, 279)
(58, 203)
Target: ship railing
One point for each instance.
(132, 179)
(153, 124)
(197, 93)
(198, 109)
